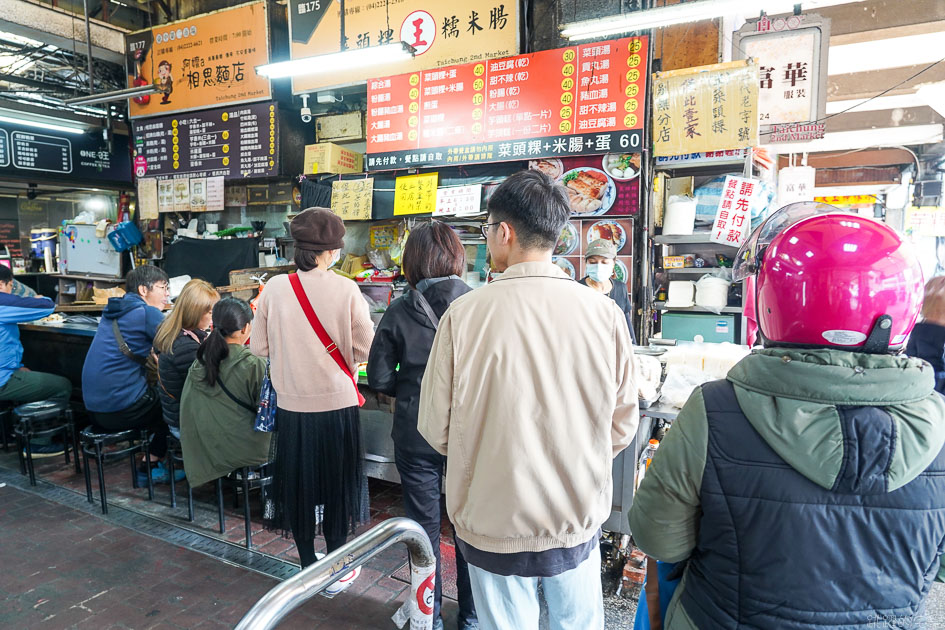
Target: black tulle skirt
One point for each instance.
(318, 484)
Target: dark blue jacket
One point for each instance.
(927, 342)
(14, 310)
(112, 381)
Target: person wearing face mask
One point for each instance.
(318, 450)
(599, 260)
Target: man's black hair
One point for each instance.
(144, 276)
(6, 274)
(533, 204)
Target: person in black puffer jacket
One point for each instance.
(433, 260)
(176, 344)
(927, 340)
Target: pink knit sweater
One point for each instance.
(305, 378)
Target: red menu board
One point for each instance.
(580, 100)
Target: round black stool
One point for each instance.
(94, 443)
(42, 419)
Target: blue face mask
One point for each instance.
(600, 272)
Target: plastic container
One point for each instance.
(125, 236)
(680, 219)
(712, 292)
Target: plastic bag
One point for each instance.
(679, 383)
(712, 290)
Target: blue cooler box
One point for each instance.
(685, 326)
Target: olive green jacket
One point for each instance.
(790, 398)
(216, 433)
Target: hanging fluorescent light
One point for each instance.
(682, 13)
(51, 126)
(116, 95)
(333, 62)
(933, 95)
(882, 54)
(863, 138)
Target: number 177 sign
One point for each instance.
(733, 217)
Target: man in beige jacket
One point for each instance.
(529, 391)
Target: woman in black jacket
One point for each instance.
(433, 260)
(927, 340)
(176, 344)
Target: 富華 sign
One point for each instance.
(791, 54)
(710, 108)
(204, 61)
(581, 100)
(443, 34)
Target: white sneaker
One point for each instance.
(342, 584)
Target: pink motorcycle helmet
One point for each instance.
(827, 278)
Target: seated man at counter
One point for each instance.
(115, 383)
(17, 383)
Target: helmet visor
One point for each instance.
(748, 259)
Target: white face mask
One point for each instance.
(336, 258)
(600, 272)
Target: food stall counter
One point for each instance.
(58, 347)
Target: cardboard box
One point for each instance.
(328, 157)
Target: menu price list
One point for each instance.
(4, 148)
(41, 152)
(579, 96)
(234, 143)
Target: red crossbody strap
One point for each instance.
(320, 331)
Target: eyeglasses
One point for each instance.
(163, 287)
(485, 228)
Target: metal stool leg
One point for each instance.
(74, 436)
(99, 460)
(29, 456)
(147, 459)
(134, 470)
(248, 524)
(4, 431)
(190, 502)
(88, 476)
(220, 504)
(173, 482)
(19, 451)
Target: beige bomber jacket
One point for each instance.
(530, 393)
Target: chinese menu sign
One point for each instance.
(733, 218)
(28, 152)
(460, 201)
(236, 142)
(352, 199)
(201, 62)
(925, 221)
(791, 56)
(581, 100)
(710, 108)
(415, 194)
(445, 33)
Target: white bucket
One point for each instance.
(712, 292)
(680, 293)
(680, 218)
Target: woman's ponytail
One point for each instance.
(230, 315)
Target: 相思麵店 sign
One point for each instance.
(733, 218)
(710, 108)
(444, 33)
(580, 100)
(201, 62)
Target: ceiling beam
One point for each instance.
(59, 28)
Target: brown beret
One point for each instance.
(317, 230)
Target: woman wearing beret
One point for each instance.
(317, 464)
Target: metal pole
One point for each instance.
(344, 46)
(88, 43)
(296, 590)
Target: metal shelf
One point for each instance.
(699, 238)
(661, 306)
(691, 270)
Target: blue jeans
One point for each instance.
(575, 599)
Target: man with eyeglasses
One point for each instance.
(529, 392)
(115, 377)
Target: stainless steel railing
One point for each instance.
(296, 590)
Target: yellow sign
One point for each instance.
(444, 34)
(710, 108)
(352, 199)
(205, 61)
(848, 200)
(925, 221)
(415, 194)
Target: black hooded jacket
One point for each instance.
(404, 338)
(927, 341)
(172, 368)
